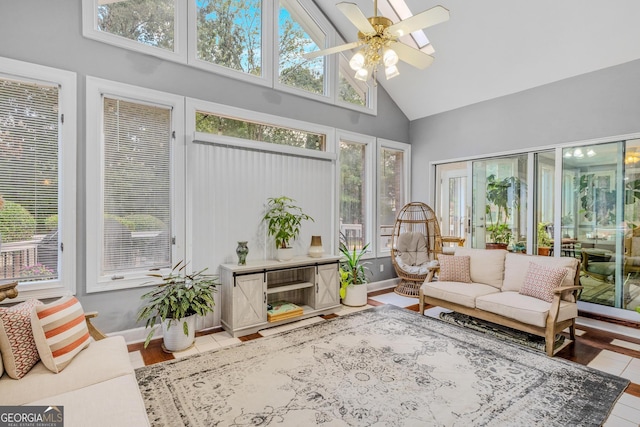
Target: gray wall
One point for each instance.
(50, 33)
(603, 103)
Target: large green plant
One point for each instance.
(504, 194)
(284, 218)
(177, 296)
(353, 271)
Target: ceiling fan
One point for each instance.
(379, 35)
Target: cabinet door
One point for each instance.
(249, 300)
(327, 286)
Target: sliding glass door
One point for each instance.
(499, 202)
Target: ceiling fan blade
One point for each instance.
(412, 56)
(357, 18)
(329, 51)
(425, 19)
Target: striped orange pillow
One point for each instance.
(60, 332)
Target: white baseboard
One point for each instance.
(138, 335)
(383, 284)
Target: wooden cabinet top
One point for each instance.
(272, 264)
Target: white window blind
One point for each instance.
(137, 187)
(29, 149)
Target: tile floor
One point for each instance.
(615, 350)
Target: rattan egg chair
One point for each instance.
(415, 242)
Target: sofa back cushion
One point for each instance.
(516, 266)
(486, 266)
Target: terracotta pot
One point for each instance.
(496, 245)
(544, 251)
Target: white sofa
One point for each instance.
(494, 294)
(98, 388)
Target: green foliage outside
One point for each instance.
(504, 195)
(16, 223)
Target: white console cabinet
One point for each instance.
(312, 283)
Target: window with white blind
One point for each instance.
(133, 229)
(35, 242)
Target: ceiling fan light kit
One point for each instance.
(379, 37)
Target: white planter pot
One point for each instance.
(284, 254)
(174, 338)
(356, 296)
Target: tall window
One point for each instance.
(355, 189)
(229, 34)
(299, 33)
(393, 191)
(33, 232)
(133, 228)
(137, 186)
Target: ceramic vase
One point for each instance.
(356, 295)
(284, 254)
(242, 250)
(316, 250)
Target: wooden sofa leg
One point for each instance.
(572, 330)
(549, 339)
(421, 302)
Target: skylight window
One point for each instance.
(397, 10)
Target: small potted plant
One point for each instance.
(353, 276)
(544, 241)
(283, 219)
(175, 302)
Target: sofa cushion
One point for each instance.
(101, 361)
(116, 402)
(486, 266)
(523, 308)
(540, 281)
(457, 292)
(454, 268)
(60, 332)
(516, 266)
(19, 351)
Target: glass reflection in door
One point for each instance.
(499, 202)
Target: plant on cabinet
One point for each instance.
(175, 302)
(283, 219)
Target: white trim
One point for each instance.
(67, 165)
(95, 90)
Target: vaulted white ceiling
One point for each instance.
(492, 48)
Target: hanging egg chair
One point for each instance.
(415, 242)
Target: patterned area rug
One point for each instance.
(499, 331)
(384, 366)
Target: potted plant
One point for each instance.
(544, 240)
(175, 302)
(353, 276)
(505, 196)
(283, 218)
